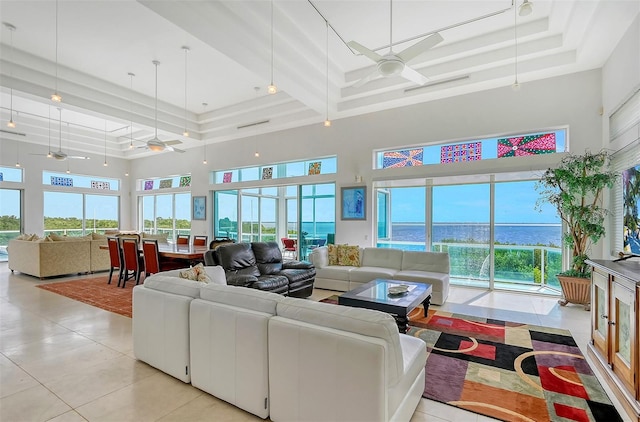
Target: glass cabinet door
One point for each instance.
(600, 312)
(623, 338)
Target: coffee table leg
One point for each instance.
(426, 304)
(402, 322)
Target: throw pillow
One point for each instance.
(56, 237)
(161, 238)
(196, 273)
(349, 255)
(333, 254)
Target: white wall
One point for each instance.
(33, 166)
(620, 79)
(573, 100)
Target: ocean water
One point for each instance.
(509, 234)
(515, 234)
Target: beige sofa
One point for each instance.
(387, 263)
(43, 258)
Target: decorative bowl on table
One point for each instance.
(398, 290)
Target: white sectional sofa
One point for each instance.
(393, 264)
(285, 358)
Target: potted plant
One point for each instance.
(575, 188)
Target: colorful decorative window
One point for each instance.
(79, 181)
(521, 145)
(183, 181)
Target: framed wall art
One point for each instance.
(354, 203)
(199, 210)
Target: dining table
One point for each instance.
(189, 253)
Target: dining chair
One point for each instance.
(289, 247)
(200, 240)
(115, 258)
(131, 258)
(183, 239)
(150, 256)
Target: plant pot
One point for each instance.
(575, 290)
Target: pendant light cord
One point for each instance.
(327, 68)
(131, 75)
(11, 29)
(56, 46)
(390, 24)
(515, 38)
(156, 63)
(271, 42)
(186, 52)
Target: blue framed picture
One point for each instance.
(354, 203)
(199, 210)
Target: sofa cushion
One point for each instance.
(334, 272)
(268, 257)
(272, 283)
(354, 320)
(425, 261)
(366, 274)
(437, 279)
(161, 237)
(175, 285)
(332, 251)
(237, 258)
(349, 255)
(382, 257)
(242, 297)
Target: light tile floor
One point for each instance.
(65, 361)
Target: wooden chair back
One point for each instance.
(150, 254)
(200, 240)
(183, 239)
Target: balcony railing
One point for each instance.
(514, 264)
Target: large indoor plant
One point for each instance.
(575, 188)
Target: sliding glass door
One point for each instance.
(10, 218)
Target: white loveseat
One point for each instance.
(393, 264)
(285, 358)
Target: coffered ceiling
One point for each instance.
(229, 64)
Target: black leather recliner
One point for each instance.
(259, 265)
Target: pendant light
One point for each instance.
(327, 122)
(516, 85)
(204, 161)
(272, 89)
(186, 51)
(105, 143)
(131, 75)
(55, 97)
(11, 124)
(526, 8)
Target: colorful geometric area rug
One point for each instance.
(508, 371)
(96, 292)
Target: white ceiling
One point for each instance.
(229, 63)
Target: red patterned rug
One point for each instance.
(96, 292)
(508, 371)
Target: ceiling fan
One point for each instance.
(392, 64)
(59, 154)
(156, 144)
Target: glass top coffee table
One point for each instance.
(375, 295)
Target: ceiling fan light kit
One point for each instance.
(395, 64)
(526, 8)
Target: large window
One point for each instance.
(401, 218)
(10, 218)
(76, 214)
(518, 246)
(269, 214)
(165, 213)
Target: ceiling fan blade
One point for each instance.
(366, 79)
(364, 51)
(172, 149)
(79, 157)
(420, 47)
(414, 76)
(174, 142)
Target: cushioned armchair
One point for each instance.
(259, 265)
